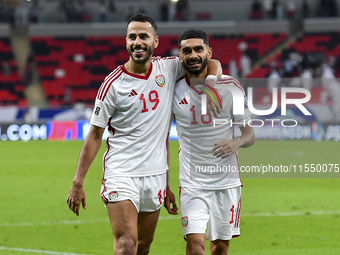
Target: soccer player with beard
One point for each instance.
(134, 101)
(210, 186)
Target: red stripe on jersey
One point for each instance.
(107, 145)
(107, 152)
(104, 190)
(236, 216)
(180, 79)
(110, 83)
(110, 127)
(107, 84)
(102, 87)
(192, 87)
(238, 212)
(233, 81)
(237, 223)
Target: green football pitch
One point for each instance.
(282, 213)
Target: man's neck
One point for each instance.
(199, 78)
(135, 68)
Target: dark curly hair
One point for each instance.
(141, 17)
(193, 33)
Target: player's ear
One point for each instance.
(209, 53)
(156, 42)
(180, 52)
(180, 56)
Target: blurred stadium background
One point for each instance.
(54, 54)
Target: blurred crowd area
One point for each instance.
(20, 13)
(23, 12)
(276, 9)
(309, 71)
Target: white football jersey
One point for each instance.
(137, 110)
(197, 135)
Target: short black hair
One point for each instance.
(193, 33)
(141, 17)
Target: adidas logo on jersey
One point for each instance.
(133, 93)
(184, 101)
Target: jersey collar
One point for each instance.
(137, 75)
(193, 87)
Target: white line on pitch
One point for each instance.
(289, 214)
(69, 222)
(48, 223)
(38, 251)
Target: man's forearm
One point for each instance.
(248, 137)
(214, 68)
(87, 154)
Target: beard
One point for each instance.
(141, 60)
(195, 72)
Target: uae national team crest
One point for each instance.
(113, 195)
(160, 80)
(185, 221)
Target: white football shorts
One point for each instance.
(146, 193)
(215, 213)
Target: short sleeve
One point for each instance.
(105, 105)
(175, 65)
(180, 72)
(234, 89)
(102, 113)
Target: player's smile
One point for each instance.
(194, 55)
(139, 51)
(141, 41)
(194, 63)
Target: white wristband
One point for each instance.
(211, 77)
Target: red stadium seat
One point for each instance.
(104, 53)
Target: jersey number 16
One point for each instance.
(203, 121)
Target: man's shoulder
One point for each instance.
(114, 75)
(167, 65)
(160, 58)
(181, 85)
(109, 82)
(226, 78)
(230, 81)
(165, 61)
(181, 80)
